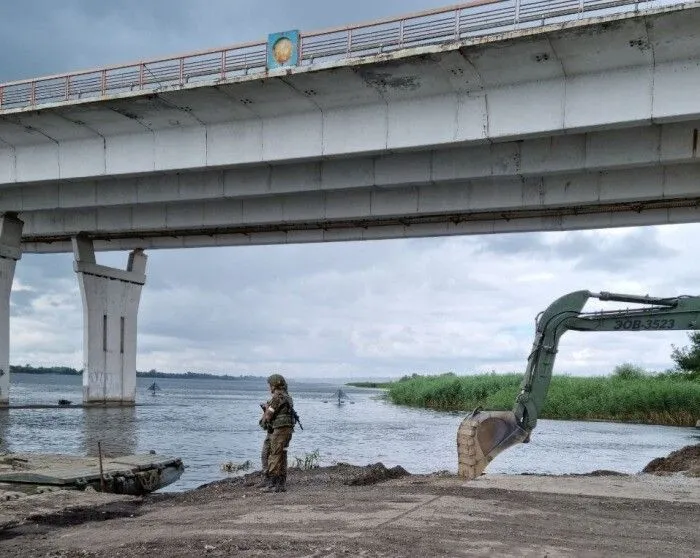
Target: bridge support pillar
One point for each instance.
(10, 252)
(110, 309)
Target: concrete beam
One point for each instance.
(646, 146)
(648, 196)
(110, 310)
(583, 189)
(497, 222)
(10, 252)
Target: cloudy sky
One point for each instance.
(350, 310)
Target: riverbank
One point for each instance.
(372, 511)
(661, 400)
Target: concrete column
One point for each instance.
(10, 252)
(110, 309)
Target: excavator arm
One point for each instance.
(484, 434)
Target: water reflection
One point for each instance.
(114, 427)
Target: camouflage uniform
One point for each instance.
(265, 454)
(279, 423)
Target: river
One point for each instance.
(211, 422)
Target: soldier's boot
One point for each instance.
(265, 482)
(272, 487)
(281, 483)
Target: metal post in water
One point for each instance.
(99, 454)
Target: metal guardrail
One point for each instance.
(477, 18)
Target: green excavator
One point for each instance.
(482, 435)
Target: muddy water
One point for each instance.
(210, 422)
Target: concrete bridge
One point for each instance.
(495, 116)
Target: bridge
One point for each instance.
(493, 116)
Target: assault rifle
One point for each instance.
(295, 416)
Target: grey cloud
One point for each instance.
(590, 250)
(515, 243)
(21, 303)
(299, 302)
(45, 37)
(39, 275)
(386, 308)
(43, 269)
(251, 265)
(630, 250)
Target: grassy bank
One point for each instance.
(375, 385)
(650, 400)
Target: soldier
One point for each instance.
(278, 420)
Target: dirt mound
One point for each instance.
(599, 473)
(685, 460)
(346, 474)
(594, 473)
(341, 474)
(377, 473)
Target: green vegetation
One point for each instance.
(629, 371)
(193, 375)
(28, 369)
(67, 371)
(376, 385)
(630, 395)
(308, 461)
(687, 359)
(383, 385)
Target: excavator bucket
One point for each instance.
(482, 436)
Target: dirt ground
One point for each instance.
(347, 510)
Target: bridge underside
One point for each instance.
(633, 176)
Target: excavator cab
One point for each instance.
(482, 435)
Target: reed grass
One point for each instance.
(649, 400)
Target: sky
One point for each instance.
(377, 309)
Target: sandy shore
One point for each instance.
(354, 511)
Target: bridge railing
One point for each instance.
(476, 18)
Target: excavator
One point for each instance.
(482, 435)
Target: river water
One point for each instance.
(211, 422)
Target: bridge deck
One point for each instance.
(475, 19)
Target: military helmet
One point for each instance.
(277, 381)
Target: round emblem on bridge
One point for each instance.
(282, 50)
